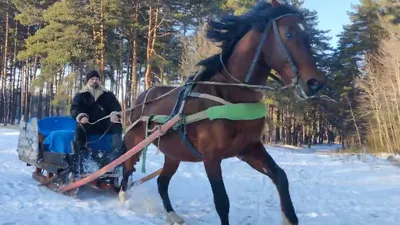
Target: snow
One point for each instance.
(326, 189)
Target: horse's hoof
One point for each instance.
(285, 221)
(122, 196)
(174, 219)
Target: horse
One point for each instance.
(271, 36)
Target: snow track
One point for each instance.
(326, 189)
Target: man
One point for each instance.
(94, 102)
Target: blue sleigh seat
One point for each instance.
(58, 132)
(56, 123)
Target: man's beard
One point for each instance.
(94, 86)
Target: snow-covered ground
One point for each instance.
(326, 189)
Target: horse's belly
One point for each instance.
(173, 147)
(212, 139)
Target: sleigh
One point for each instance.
(48, 145)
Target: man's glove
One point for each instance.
(114, 117)
(84, 120)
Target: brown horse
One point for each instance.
(269, 36)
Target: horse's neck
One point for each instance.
(238, 66)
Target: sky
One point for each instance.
(332, 15)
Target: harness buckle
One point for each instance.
(160, 130)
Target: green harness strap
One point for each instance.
(238, 111)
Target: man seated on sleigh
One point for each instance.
(89, 107)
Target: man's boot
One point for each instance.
(80, 149)
(116, 150)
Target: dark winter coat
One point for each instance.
(96, 106)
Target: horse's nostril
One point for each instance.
(314, 85)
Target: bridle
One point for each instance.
(295, 79)
(300, 93)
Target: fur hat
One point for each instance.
(92, 73)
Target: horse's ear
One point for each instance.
(275, 3)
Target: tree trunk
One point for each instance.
(24, 87)
(32, 89)
(314, 127)
(47, 100)
(301, 134)
(1, 81)
(121, 85)
(102, 43)
(112, 79)
(277, 131)
(21, 90)
(321, 131)
(58, 79)
(13, 92)
(151, 39)
(162, 66)
(271, 124)
(117, 87)
(51, 98)
(355, 123)
(4, 80)
(134, 75)
(128, 99)
(40, 102)
(295, 131)
(148, 50)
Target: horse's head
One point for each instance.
(286, 49)
(273, 37)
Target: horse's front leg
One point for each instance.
(132, 138)
(128, 169)
(258, 158)
(221, 200)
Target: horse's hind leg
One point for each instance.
(258, 158)
(169, 169)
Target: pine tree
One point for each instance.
(359, 38)
(239, 6)
(391, 10)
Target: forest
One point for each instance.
(47, 46)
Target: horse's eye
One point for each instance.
(289, 35)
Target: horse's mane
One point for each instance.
(230, 29)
